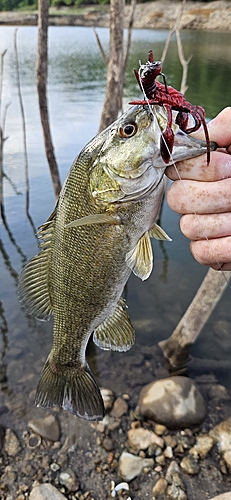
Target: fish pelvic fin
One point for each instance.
(140, 258)
(158, 233)
(116, 333)
(33, 287)
(72, 388)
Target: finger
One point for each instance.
(197, 168)
(185, 197)
(215, 253)
(219, 129)
(199, 227)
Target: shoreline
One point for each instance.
(211, 16)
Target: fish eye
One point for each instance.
(128, 130)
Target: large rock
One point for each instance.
(46, 492)
(224, 496)
(175, 402)
(221, 434)
(130, 466)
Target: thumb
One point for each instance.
(219, 129)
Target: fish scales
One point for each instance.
(97, 235)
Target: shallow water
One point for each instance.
(76, 92)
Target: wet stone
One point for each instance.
(175, 402)
(46, 492)
(120, 408)
(12, 443)
(47, 428)
(130, 466)
(68, 479)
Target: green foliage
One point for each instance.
(7, 5)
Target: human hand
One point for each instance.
(204, 197)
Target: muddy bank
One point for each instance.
(153, 15)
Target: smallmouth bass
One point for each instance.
(98, 233)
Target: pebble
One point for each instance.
(68, 479)
(168, 453)
(120, 408)
(203, 445)
(46, 492)
(69, 444)
(160, 487)
(160, 429)
(190, 465)
(108, 398)
(108, 444)
(130, 466)
(47, 428)
(12, 443)
(174, 401)
(141, 439)
(172, 469)
(227, 458)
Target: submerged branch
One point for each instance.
(23, 123)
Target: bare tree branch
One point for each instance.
(23, 123)
(104, 57)
(184, 63)
(129, 37)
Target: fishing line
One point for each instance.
(153, 112)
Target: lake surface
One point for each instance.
(76, 87)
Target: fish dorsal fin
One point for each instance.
(95, 219)
(140, 259)
(116, 333)
(158, 233)
(33, 288)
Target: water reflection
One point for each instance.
(76, 92)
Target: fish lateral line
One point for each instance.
(88, 220)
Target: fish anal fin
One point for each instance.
(158, 233)
(140, 259)
(72, 388)
(116, 333)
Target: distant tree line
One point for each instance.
(33, 4)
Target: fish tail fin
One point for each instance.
(72, 388)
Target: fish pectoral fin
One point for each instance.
(140, 259)
(72, 388)
(33, 287)
(95, 219)
(158, 233)
(116, 333)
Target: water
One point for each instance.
(76, 88)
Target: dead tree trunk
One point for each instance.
(112, 101)
(43, 19)
(176, 349)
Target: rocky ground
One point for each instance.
(171, 440)
(159, 14)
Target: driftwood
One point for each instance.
(176, 349)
